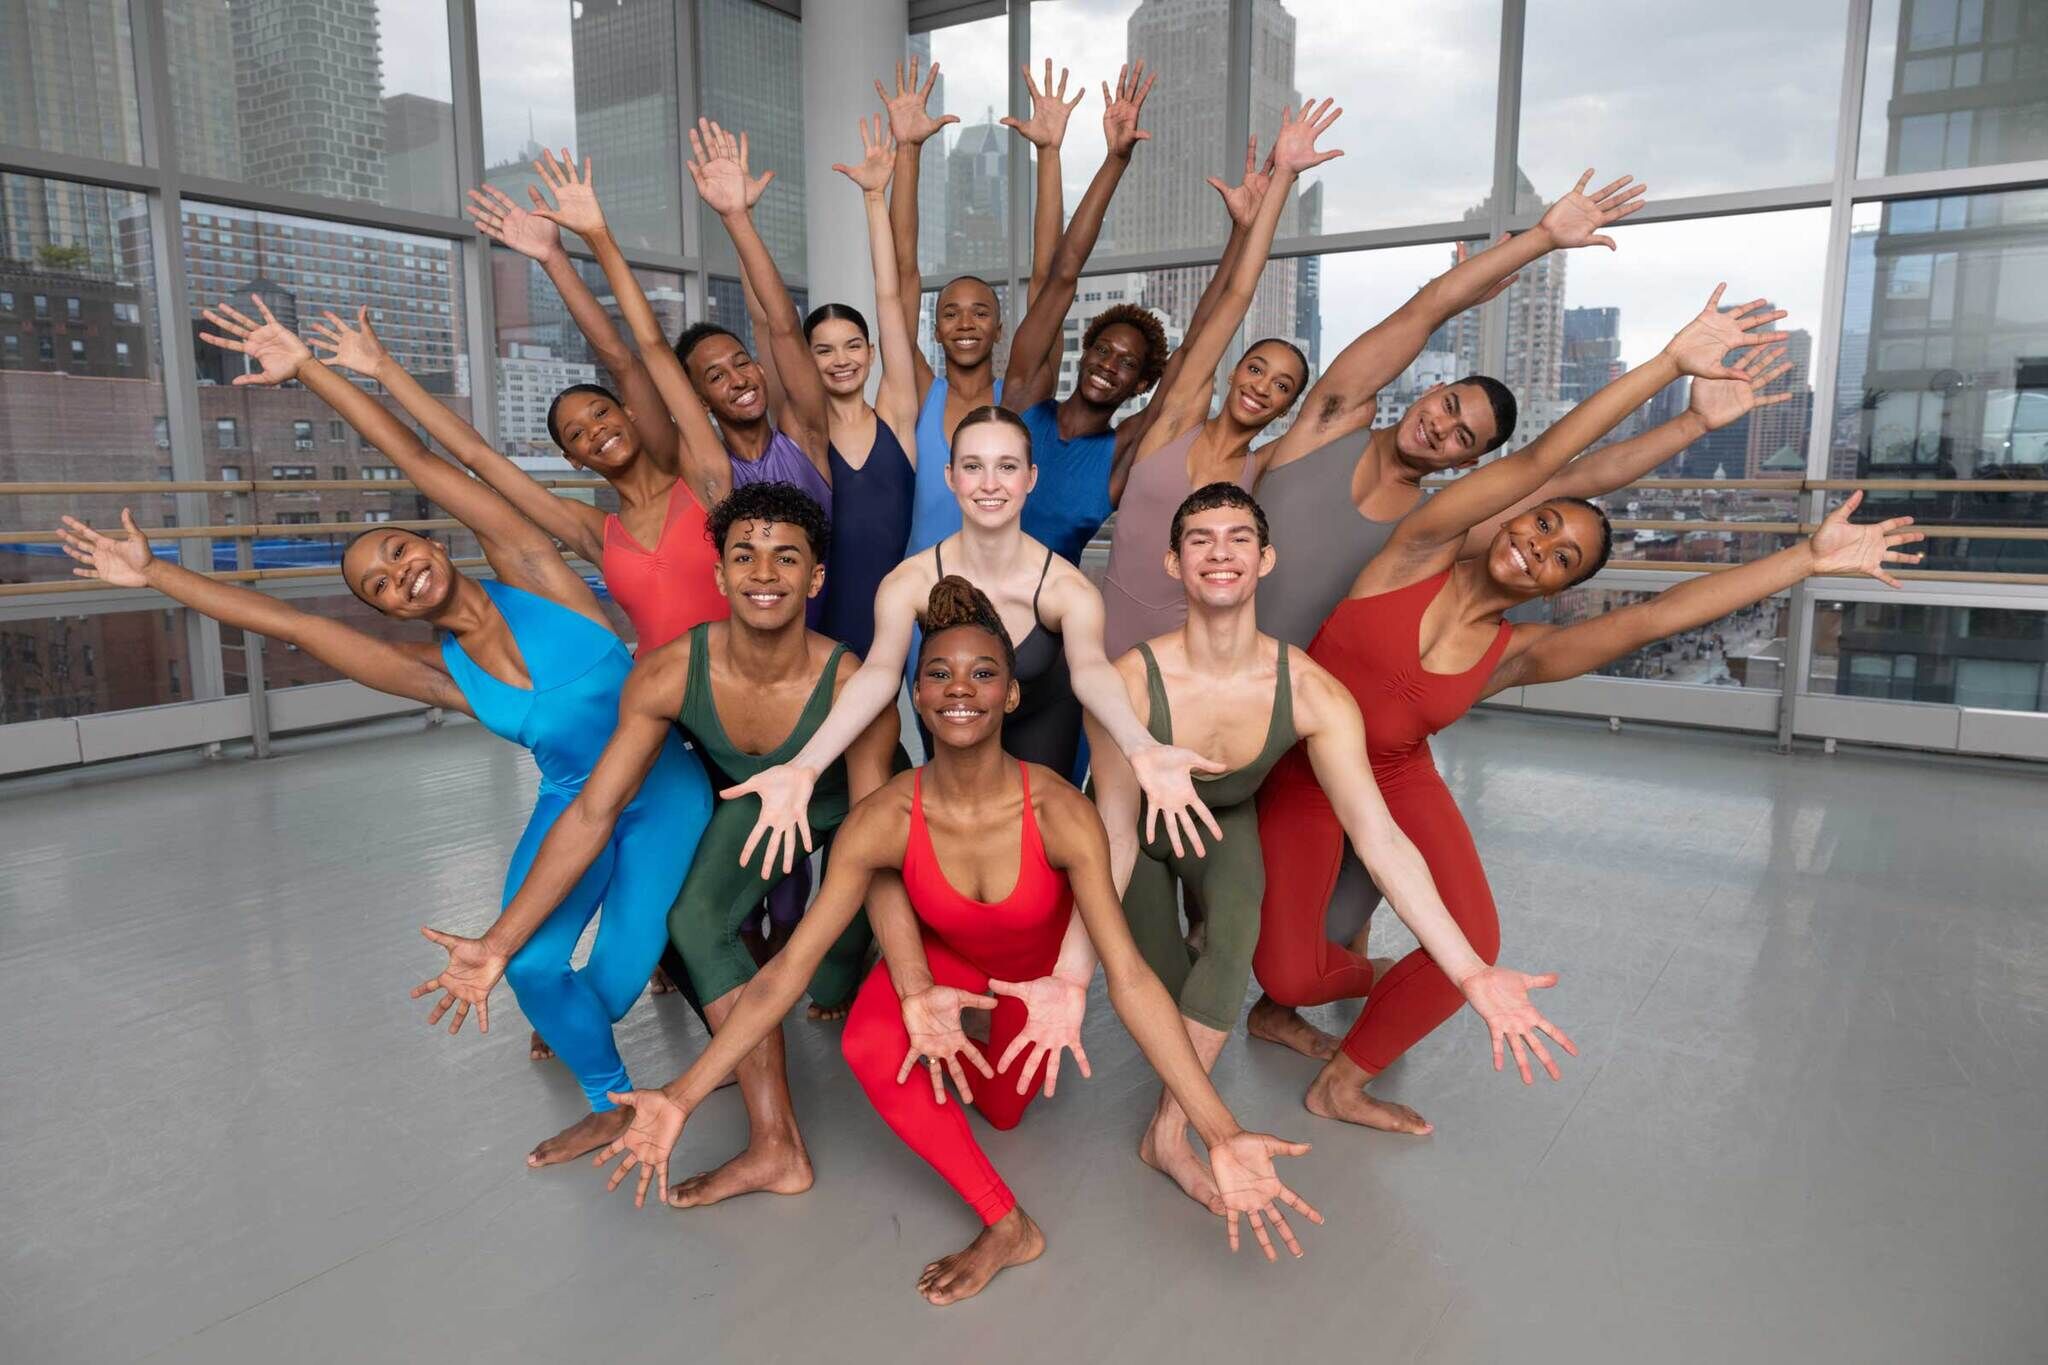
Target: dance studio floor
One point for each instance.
(1808, 1123)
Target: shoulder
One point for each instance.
(1066, 587)
(1319, 699)
(659, 677)
(847, 665)
(1068, 823)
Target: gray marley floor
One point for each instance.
(1810, 1121)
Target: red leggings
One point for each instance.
(1304, 847)
(874, 1044)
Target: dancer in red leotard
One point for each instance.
(1422, 638)
(996, 932)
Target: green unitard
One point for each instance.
(1228, 884)
(720, 892)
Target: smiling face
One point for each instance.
(1544, 549)
(1265, 384)
(403, 575)
(768, 571)
(595, 432)
(1450, 425)
(1219, 558)
(842, 355)
(991, 473)
(968, 323)
(728, 379)
(1113, 366)
(963, 687)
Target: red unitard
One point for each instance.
(966, 942)
(667, 590)
(1373, 646)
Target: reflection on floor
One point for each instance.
(1811, 994)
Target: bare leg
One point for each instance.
(1338, 1092)
(774, 1159)
(1165, 1146)
(819, 1012)
(1013, 1240)
(659, 984)
(537, 1048)
(581, 1138)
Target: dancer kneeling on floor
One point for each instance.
(987, 935)
(748, 692)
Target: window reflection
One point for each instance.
(1991, 657)
(1954, 83)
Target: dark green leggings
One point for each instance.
(1228, 886)
(719, 894)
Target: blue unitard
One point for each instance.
(578, 668)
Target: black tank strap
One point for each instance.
(1043, 569)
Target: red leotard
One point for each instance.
(1373, 646)
(966, 942)
(666, 591)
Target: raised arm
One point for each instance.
(540, 240)
(1046, 129)
(911, 124)
(362, 657)
(1541, 654)
(718, 168)
(1329, 721)
(896, 397)
(1697, 350)
(1034, 369)
(1342, 399)
(1714, 404)
(701, 457)
(757, 315)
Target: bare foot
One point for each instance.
(1175, 1157)
(580, 1138)
(779, 1165)
(1013, 1240)
(659, 984)
(1276, 1023)
(1338, 1092)
(537, 1048)
(826, 1014)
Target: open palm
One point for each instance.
(718, 168)
(1050, 110)
(1576, 219)
(910, 121)
(1120, 112)
(1702, 344)
(466, 982)
(1294, 149)
(576, 207)
(932, 1019)
(502, 220)
(1717, 402)
(1840, 547)
(276, 352)
(355, 348)
(647, 1142)
(1500, 996)
(120, 563)
(1246, 1183)
(1053, 1010)
(877, 163)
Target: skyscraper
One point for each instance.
(977, 207)
(1592, 352)
(624, 52)
(932, 174)
(1777, 434)
(752, 69)
(1535, 305)
(308, 95)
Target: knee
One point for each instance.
(997, 1106)
(871, 1050)
(1282, 975)
(530, 972)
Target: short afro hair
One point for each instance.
(770, 501)
(695, 335)
(1149, 327)
(1208, 498)
(955, 602)
(1502, 401)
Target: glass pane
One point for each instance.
(1951, 85)
(1965, 656)
(60, 666)
(1680, 95)
(751, 60)
(726, 304)
(301, 267)
(69, 83)
(599, 80)
(1743, 649)
(345, 98)
(1944, 369)
(963, 206)
(81, 387)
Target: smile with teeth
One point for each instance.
(960, 715)
(419, 585)
(606, 448)
(1221, 576)
(764, 598)
(1521, 562)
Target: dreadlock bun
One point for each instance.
(955, 602)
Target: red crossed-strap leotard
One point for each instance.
(667, 590)
(1373, 646)
(966, 941)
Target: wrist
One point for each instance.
(909, 984)
(497, 940)
(1542, 238)
(1695, 425)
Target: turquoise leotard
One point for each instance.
(577, 668)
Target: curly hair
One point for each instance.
(1208, 498)
(772, 501)
(955, 602)
(1149, 327)
(555, 405)
(695, 335)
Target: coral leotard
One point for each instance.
(666, 590)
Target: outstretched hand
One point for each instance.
(1247, 1184)
(718, 168)
(276, 351)
(1717, 402)
(647, 1142)
(932, 1018)
(1294, 149)
(877, 159)
(1120, 110)
(355, 348)
(1166, 772)
(1576, 219)
(909, 120)
(785, 794)
(120, 563)
(1840, 547)
(1053, 1010)
(1241, 201)
(1050, 109)
(501, 219)
(466, 981)
(1701, 345)
(1463, 253)
(1500, 995)
(575, 207)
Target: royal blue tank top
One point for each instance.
(872, 505)
(1071, 500)
(934, 512)
(784, 461)
(577, 669)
